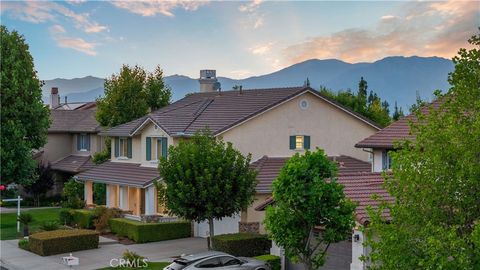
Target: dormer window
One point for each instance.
(299, 142)
(156, 147)
(83, 142)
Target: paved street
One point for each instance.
(14, 258)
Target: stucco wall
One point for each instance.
(251, 215)
(377, 160)
(58, 146)
(329, 128)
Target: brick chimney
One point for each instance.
(208, 81)
(54, 98)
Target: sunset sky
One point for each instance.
(238, 39)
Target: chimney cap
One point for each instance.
(54, 90)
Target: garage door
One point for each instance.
(223, 226)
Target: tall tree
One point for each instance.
(397, 113)
(24, 117)
(207, 179)
(362, 95)
(435, 220)
(157, 93)
(307, 196)
(130, 94)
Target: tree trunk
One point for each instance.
(25, 230)
(211, 233)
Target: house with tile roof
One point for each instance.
(266, 123)
(73, 137)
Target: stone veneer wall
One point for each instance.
(249, 227)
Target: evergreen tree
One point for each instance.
(24, 117)
(361, 103)
(158, 94)
(397, 113)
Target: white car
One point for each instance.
(216, 260)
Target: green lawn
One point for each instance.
(151, 266)
(8, 222)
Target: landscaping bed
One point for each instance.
(242, 244)
(150, 232)
(62, 241)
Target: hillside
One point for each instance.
(393, 78)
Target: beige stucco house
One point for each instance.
(72, 139)
(276, 122)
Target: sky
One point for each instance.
(73, 39)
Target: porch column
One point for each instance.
(138, 201)
(358, 250)
(108, 203)
(150, 193)
(123, 197)
(112, 199)
(88, 192)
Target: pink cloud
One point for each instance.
(78, 44)
(423, 29)
(152, 8)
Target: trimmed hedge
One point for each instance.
(150, 232)
(83, 218)
(62, 241)
(242, 244)
(272, 261)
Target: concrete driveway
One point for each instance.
(14, 258)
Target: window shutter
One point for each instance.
(79, 142)
(87, 137)
(292, 142)
(306, 142)
(149, 148)
(129, 147)
(384, 160)
(117, 147)
(164, 147)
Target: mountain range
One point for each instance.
(395, 78)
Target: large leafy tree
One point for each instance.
(131, 94)
(24, 117)
(207, 179)
(435, 220)
(307, 197)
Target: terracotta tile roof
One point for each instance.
(268, 169)
(359, 188)
(73, 121)
(122, 173)
(398, 130)
(73, 164)
(219, 111)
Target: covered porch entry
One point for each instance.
(129, 187)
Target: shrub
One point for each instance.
(50, 225)
(23, 244)
(62, 241)
(272, 261)
(73, 194)
(83, 218)
(131, 256)
(103, 215)
(66, 217)
(150, 232)
(73, 203)
(242, 244)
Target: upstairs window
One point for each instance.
(386, 160)
(156, 147)
(299, 142)
(123, 147)
(83, 142)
